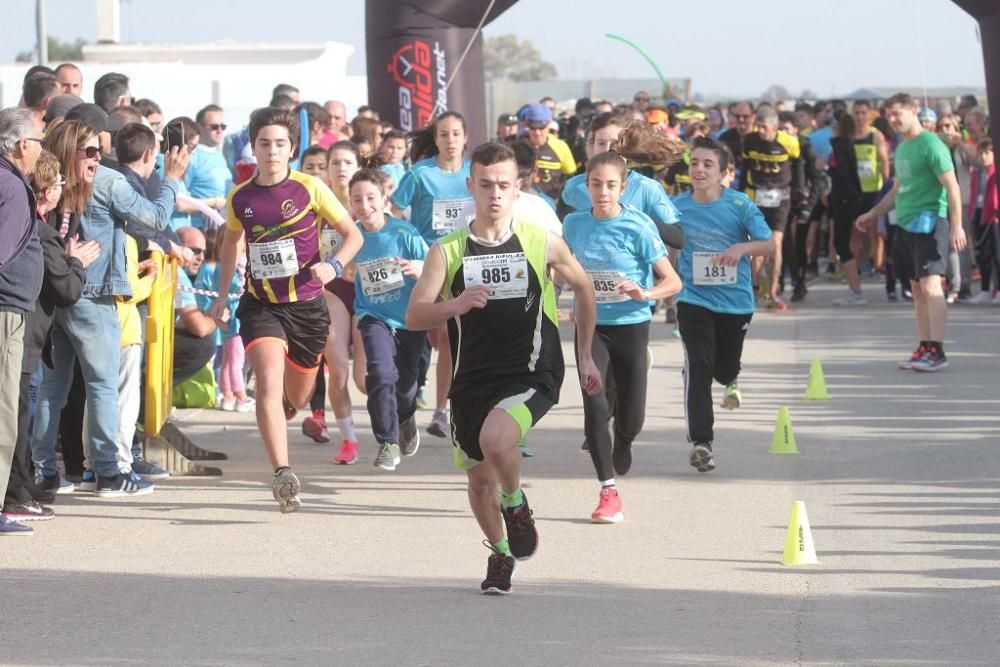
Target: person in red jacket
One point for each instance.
(986, 223)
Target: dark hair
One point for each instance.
(985, 145)
(364, 108)
(722, 152)
(108, 89)
(283, 89)
(806, 107)
(858, 103)
(38, 69)
(207, 109)
(492, 153)
(147, 107)
(38, 87)
(641, 144)
(524, 154)
(881, 123)
(902, 99)
(316, 114)
(261, 118)
(126, 114)
(345, 146)
(212, 245)
(608, 118)
(612, 158)
(282, 102)
(132, 141)
(423, 144)
(786, 117)
(313, 150)
(394, 134)
(373, 176)
(373, 161)
(845, 125)
(369, 128)
(179, 132)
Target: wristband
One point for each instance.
(337, 266)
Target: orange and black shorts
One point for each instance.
(300, 326)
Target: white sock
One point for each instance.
(608, 482)
(346, 428)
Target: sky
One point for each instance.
(727, 47)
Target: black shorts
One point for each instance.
(525, 404)
(343, 290)
(300, 326)
(777, 218)
(917, 256)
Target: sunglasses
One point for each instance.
(640, 99)
(197, 251)
(92, 152)
(215, 127)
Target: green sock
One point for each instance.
(508, 500)
(502, 547)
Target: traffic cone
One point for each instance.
(799, 547)
(816, 391)
(783, 441)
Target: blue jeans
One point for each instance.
(88, 331)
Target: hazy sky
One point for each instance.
(735, 47)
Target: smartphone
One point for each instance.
(173, 135)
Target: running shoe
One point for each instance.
(676, 332)
(314, 427)
(891, 296)
(799, 293)
(55, 484)
(227, 405)
(421, 400)
(88, 481)
(701, 457)
(732, 399)
(852, 298)
(982, 297)
(348, 454)
(585, 447)
(609, 507)
(247, 406)
(907, 295)
(907, 364)
(439, 424)
(409, 436)
(621, 457)
(649, 358)
(521, 532)
(32, 511)
(285, 488)
(526, 451)
(671, 317)
(932, 360)
(777, 305)
(12, 528)
(388, 456)
(499, 569)
(122, 485)
(145, 469)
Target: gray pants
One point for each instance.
(11, 356)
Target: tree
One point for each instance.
(776, 92)
(59, 51)
(507, 57)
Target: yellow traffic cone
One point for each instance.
(799, 547)
(783, 441)
(816, 391)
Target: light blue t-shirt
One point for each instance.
(397, 171)
(820, 140)
(208, 279)
(712, 228)
(381, 291)
(642, 193)
(207, 175)
(440, 202)
(613, 250)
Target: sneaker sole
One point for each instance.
(386, 467)
(493, 590)
(310, 430)
(342, 462)
(416, 446)
(152, 478)
(731, 402)
(24, 518)
(905, 365)
(86, 488)
(124, 494)
(436, 431)
(921, 368)
(617, 517)
(702, 461)
(287, 495)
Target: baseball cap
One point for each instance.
(59, 106)
(536, 114)
(584, 103)
(507, 119)
(94, 116)
(927, 115)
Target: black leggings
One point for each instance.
(620, 351)
(844, 213)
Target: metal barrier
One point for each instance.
(165, 444)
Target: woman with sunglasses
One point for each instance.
(106, 204)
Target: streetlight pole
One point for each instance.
(43, 38)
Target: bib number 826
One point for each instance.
(496, 275)
(377, 275)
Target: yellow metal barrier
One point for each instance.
(165, 444)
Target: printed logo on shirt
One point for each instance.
(248, 212)
(288, 209)
(529, 301)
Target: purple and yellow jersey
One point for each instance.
(283, 224)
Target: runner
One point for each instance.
(619, 249)
(388, 264)
(506, 377)
(284, 322)
(925, 196)
(436, 192)
(772, 177)
(722, 228)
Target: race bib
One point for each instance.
(769, 197)
(605, 286)
(707, 271)
(276, 259)
(380, 276)
(506, 275)
(330, 241)
(450, 214)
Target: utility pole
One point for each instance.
(43, 37)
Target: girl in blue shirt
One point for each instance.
(722, 228)
(619, 248)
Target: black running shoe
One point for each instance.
(499, 570)
(621, 456)
(521, 532)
